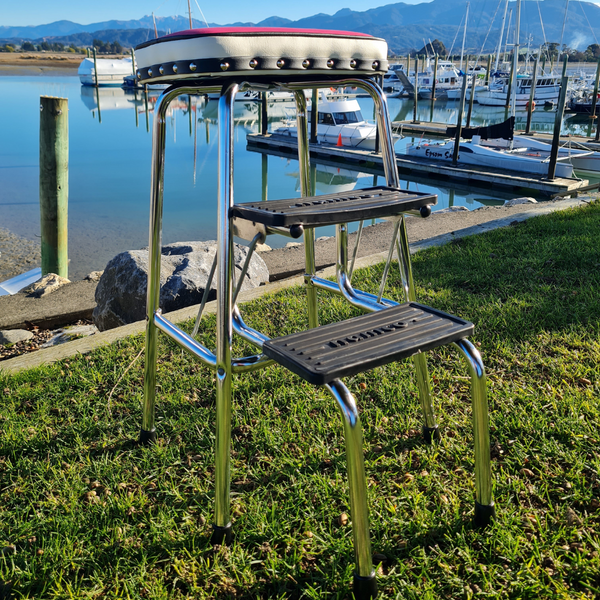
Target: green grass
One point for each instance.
(85, 513)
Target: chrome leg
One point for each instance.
(148, 431)
(484, 504)
(365, 585)
(430, 428)
(306, 191)
(222, 523)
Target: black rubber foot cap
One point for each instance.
(147, 437)
(425, 211)
(484, 514)
(222, 536)
(364, 588)
(431, 434)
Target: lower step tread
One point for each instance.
(344, 349)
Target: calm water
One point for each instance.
(109, 165)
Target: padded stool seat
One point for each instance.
(276, 53)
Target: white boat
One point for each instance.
(547, 89)
(586, 162)
(472, 152)
(340, 123)
(110, 71)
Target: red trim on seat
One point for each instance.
(210, 31)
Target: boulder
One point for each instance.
(14, 336)
(185, 267)
(46, 285)
(523, 200)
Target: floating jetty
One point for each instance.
(483, 177)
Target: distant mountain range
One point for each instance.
(404, 26)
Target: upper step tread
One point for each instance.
(343, 349)
(328, 209)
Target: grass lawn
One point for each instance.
(86, 513)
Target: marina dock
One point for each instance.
(408, 165)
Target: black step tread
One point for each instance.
(342, 207)
(342, 349)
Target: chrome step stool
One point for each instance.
(229, 60)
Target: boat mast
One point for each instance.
(500, 40)
(562, 33)
(513, 100)
(462, 50)
(154, 21)
(190, 15)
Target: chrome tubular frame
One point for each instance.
(306, 191)
(483, 474)
(222, 522)
(357, 482)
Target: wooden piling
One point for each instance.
(264, 118)
(560, 111)
(133, 65)
(314, 116)
(95, 68)
(54, 184)
(595, 96)
(435, 70)
(461, 107)
(531, 102)
(471, 99)
(488, 69)
(416, 90)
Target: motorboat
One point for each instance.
(473, 152)
(340, 123)
(547, 89)
(110, 71)
(586, 162)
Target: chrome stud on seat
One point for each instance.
(174, 68)
(224, 66)
(375, 64)
(138, 74)
(330, 63)
(253, 63)
(353, 64)
(305, 63)
(161, 70)
(280, 63)
(149, 72)
(193, 67)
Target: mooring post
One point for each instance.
(95, 66)
(531, 103)
(435, 70)
(314, 116)
(488, 69)
(133, 66)
(415, 90)
(510, 79)
(264, 118)
(461, 107)
(471, 99)
(595, 99)
(54, 184)
(560, 111)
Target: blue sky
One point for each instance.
(40, 12)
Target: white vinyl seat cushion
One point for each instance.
(262, 52)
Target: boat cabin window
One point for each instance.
(326, 119)
(344, 118)
(465, 149)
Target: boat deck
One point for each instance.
(444, 172)
(439, 130)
